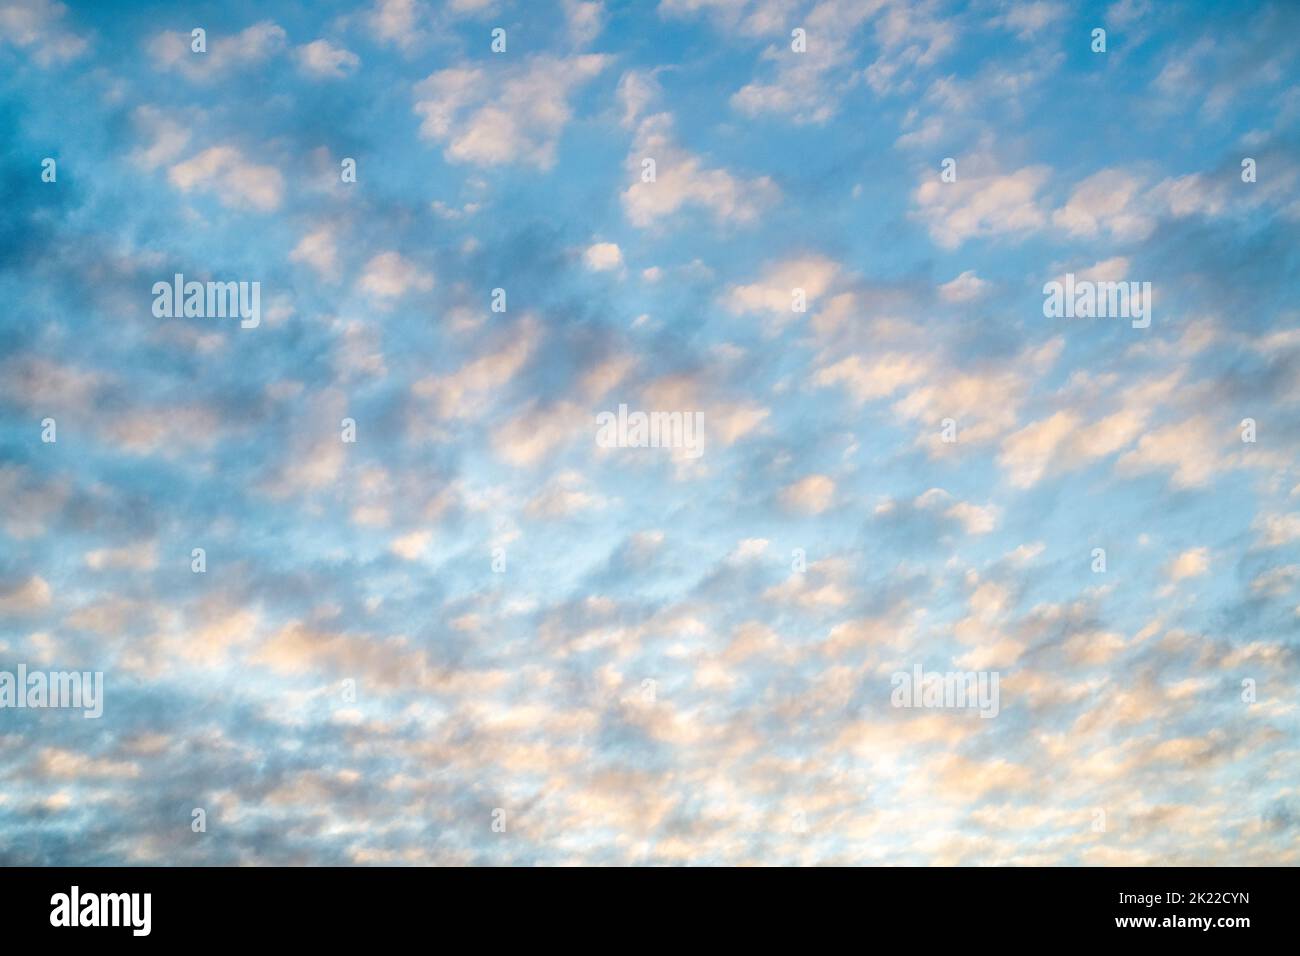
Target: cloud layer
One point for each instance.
(438, 621)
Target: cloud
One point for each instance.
(504, 115)
(807, 85)
(41, 385)
(538, 431)
(967, 287)
(728, 422)
(36, 26)
(982, 206)
(411, 546)
(319, 249)
(637, 90)
(398, 22)
(565, 495)
(825, 584)
(682, 180)
(390, 275)
(28, 596)
(1276, 530)
(974, 519)
(812, 494)
(774, 293)
(662, 660)
(237, 182)
(911, 37)
(1067, 439)
(172, 51)
(585, 18)
(1190, 564)
(53, 763)
(28, 505)
(603, 256)
(323, 60)
(1114, 269)
(461, 393)
(1027, 20)
(1027, 453)
(169, 138)
(1105, 205)
(133, 558)
(1189, 450)
(872, 379)
(985, 403)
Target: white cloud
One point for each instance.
(465, 7)
(683, 180)
(877, 377)
(538, 431)
(965, 288)
(585, 20)
(34, 25)
(812, 494)
(603, 256)
(748, 549)
(636, 91)
(910, 37)
(985, 402)
(172, 51)
(1026, 19)
(1027, 454)
(324, 60)
(1106, 204)
(1276, 530)
(168, 138)
(774, 293)
(1189, 564)
(1067, 440)
(564, 495)
(978, 206)
(808, 85)
(504, 114)
(411, 546)
(1191, 195)
(976, 519)
(1114, 269)
(1126, 12)
(389, 275)
(131, 558)
(461, 393)
(319, 250)
(33, 594)
(236, 181)
(1190, 450)
(397, 22)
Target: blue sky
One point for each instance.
(676, 659)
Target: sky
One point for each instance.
(437, 620)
